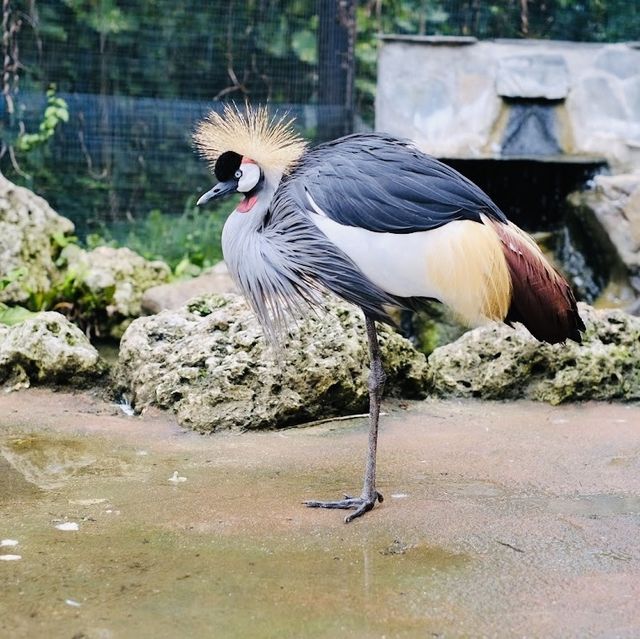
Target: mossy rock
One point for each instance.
(31, 238)
(210, 364)
(47, 349)
(497, 362)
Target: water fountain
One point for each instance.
(530, 122)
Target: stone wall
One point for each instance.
(461, 98)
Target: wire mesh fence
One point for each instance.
(574, 20)
(138, 74)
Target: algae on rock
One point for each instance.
(47, 349)
(42, 267)
(209, 363)
(434, 326)
(113, 281)
(31, 233)
(497, 362)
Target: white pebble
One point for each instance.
(86, 502)
(8, 542)
(10, 557)
(72, 602)
(399, 496)
(68, 526)
(175, 478)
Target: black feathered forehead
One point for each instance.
(226, 165)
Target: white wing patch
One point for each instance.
(314, 204)
(460, 263)
(396, 263)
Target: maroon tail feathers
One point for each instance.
(541, 298)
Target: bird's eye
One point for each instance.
(237, 174)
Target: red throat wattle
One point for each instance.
(247, 204)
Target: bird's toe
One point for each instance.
(360, 505)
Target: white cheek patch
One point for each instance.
(250, 177)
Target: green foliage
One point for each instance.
(168, 49)
(55, 113)
(188, 243)
(70, 296)
(13, 276)
(103, 17)
(11, 315)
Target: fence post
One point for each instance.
(336, 67)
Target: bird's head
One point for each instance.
(249, 152)
(236, 174)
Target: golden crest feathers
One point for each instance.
(270, 141)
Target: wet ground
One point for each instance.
(500, 520)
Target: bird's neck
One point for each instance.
(250, 257)
(245, 223)
(260, 259)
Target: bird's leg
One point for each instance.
(377, 377)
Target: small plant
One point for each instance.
(188, 243)
(11, 315)
(56, 111)
(69, 295)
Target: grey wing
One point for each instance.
(302, 260)
(382, 184)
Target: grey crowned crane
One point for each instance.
(379, 223)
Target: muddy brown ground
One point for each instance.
(500, 520)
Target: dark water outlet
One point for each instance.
(533, 193)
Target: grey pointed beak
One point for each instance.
(220, 190)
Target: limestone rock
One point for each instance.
(427, 87)
(497, 362)
(46, 349)
(176, 294)
(30, 231)
(115, 279)
(525, 76)
(613, 208)
(210, 364)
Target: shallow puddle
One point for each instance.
(595, 505)
(116, 527)
(109, 546)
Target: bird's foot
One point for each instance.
(360, 505)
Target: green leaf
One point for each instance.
(13, 276)
(366, 86)
(186, 268)
(12, 315)
(304, 46)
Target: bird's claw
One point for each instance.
(360, 505)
